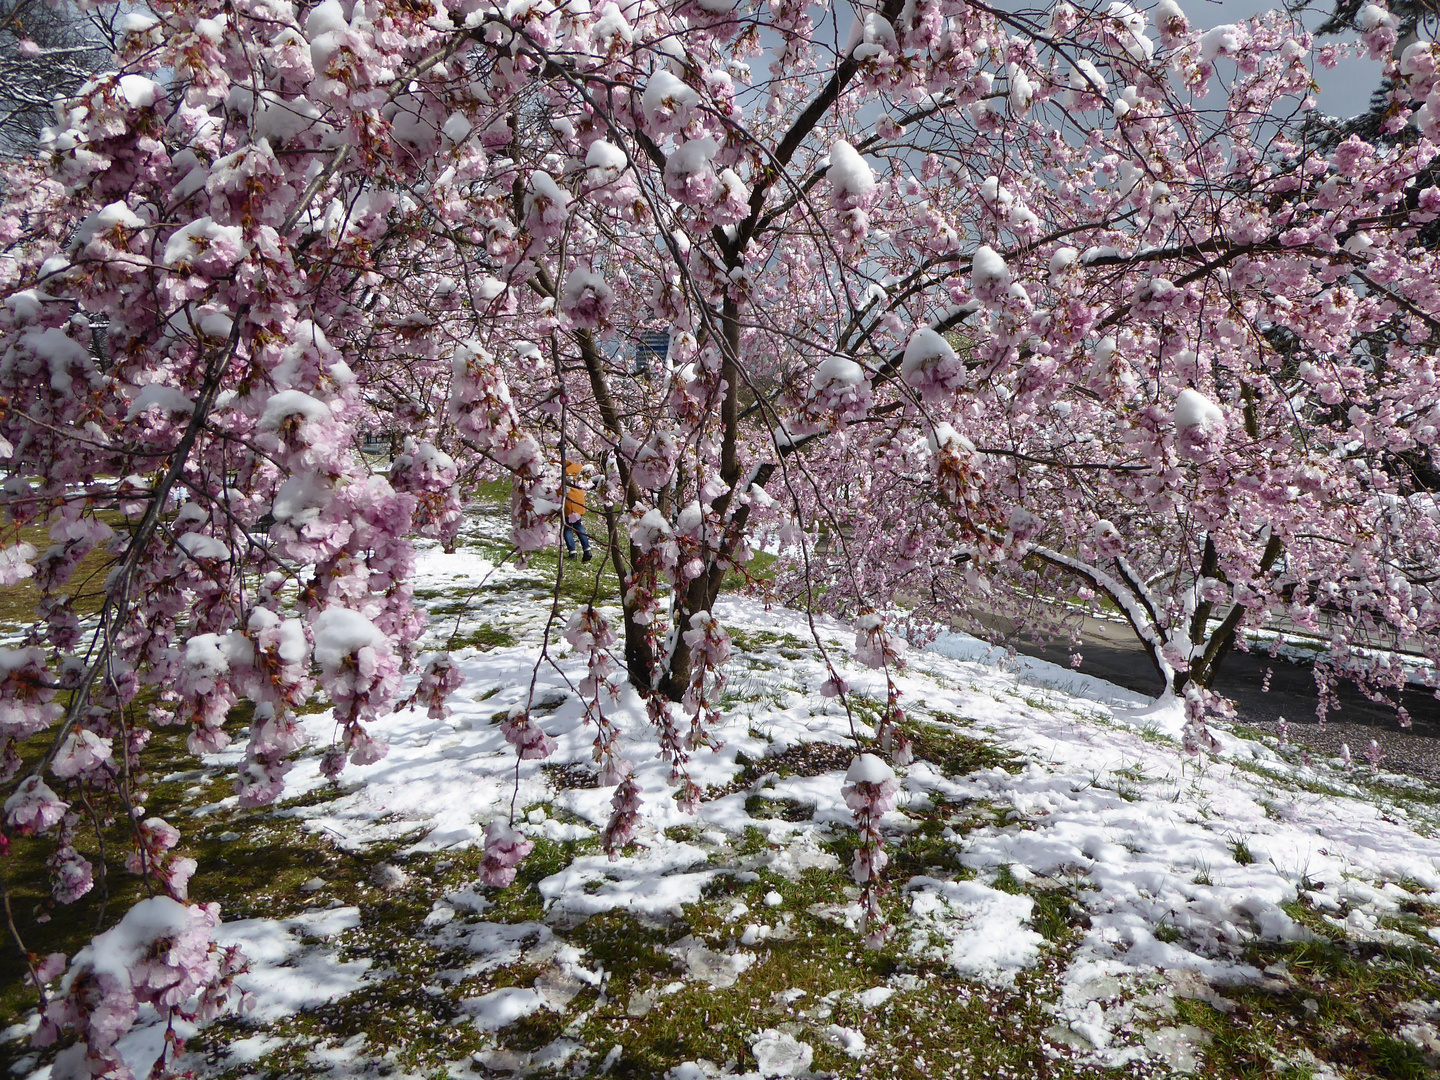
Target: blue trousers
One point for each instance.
(572, 528)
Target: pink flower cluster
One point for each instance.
(505, 849)
(523, 732)
(432, 478)
(438, 681)
(870, 791)
(160, 955)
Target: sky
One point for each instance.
(1344, 90)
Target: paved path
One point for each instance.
(1109, 651)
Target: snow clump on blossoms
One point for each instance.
(931, 366)
(1199, 423)
(870, 792)
(852, 189)
(360, 673)
(431, 476)
(604, 161)
(668, 103)
(839, 389)
(690, 172)
(988, 274)
(851, 178)
(161, 955)
(585, 299)
(1379, 28)
(954, 465)
(1174, 27)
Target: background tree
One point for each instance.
(46, 52)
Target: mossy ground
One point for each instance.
(1339, 1003)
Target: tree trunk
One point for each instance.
(1204, 668)
(702, 592)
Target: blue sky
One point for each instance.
(1344, 90)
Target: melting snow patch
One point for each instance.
(285, 976)
(653, 887)
(983, 928)
(875, 997)
(719, 970)
(501, 1008)
(778, 1053)
(847, 1040)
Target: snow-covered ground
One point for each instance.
(1171, 870)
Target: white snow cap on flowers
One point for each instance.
(1166, 10)
(207, 654)
(542, 185)
(287, 403)
(994, 194)
(1222, 39)
(577, 281)
(200, 546)
(837, 370)
(139, 92)
(1022, 90)
(1194, 410)
(1085, 78)
(301, 498)
(988, 270)
(121, 948)
(104, 220)
(1374, 15)
(612, 25)
(664, 89)
(870, 35)
(868, 769)
(198, 237)
(1062, 259)
(605, 161)
(166, 398)
(848, 172)
(340, 632)
(1132, 38)
(946, 437)
(694, 156)
(925, 347)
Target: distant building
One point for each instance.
(651, 349)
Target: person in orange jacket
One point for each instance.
(574, 513)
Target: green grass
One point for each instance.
(765, 641)
(1338, 1004)
(483, 638)
(946, 746)
(47, 927)
(86, 587)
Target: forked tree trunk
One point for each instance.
(1208, 649)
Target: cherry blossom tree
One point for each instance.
(978, 298)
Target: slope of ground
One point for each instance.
(1071, 896)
